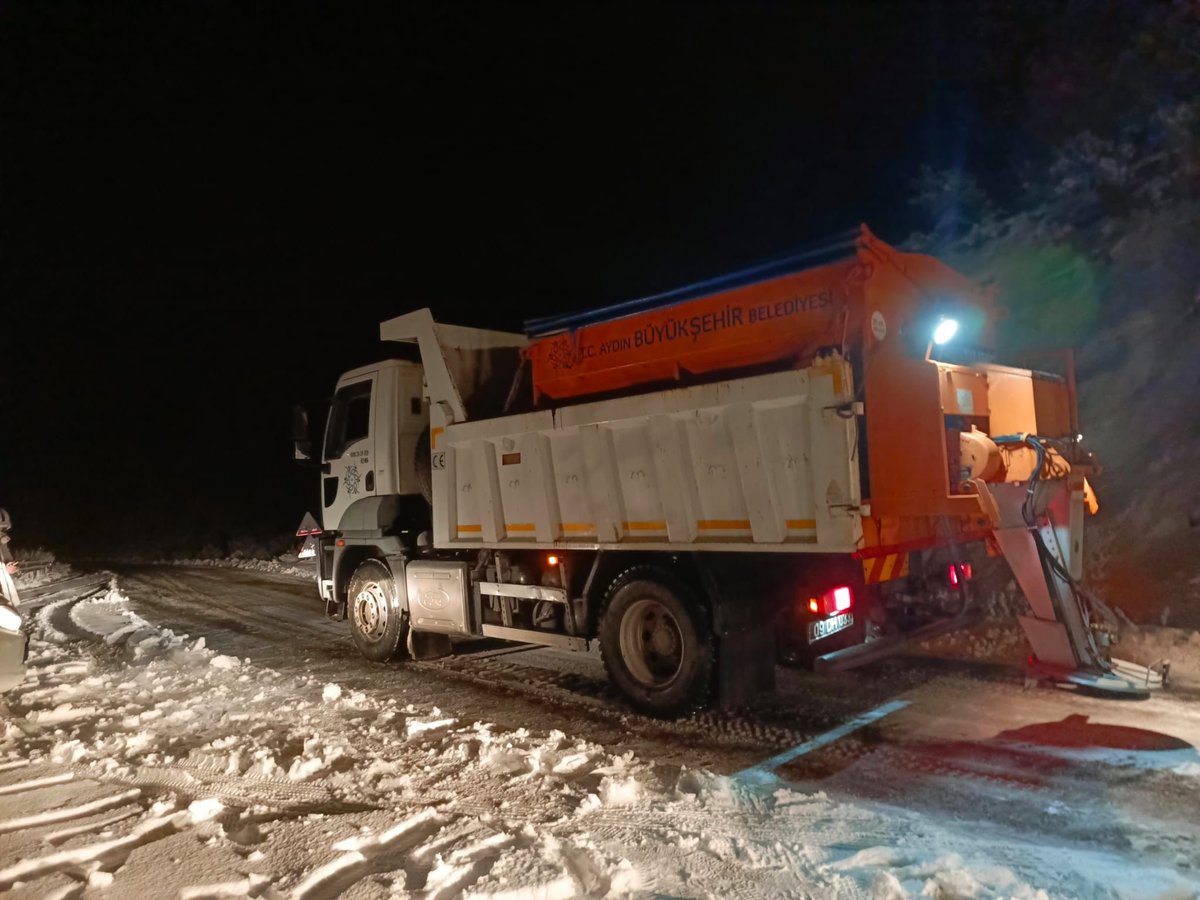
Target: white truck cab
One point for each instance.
(369, 451)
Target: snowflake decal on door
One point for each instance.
(352, 478)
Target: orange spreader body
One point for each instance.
(784, 320)
(879, 306)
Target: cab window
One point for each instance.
(349, 418)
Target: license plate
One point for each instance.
(826, 627)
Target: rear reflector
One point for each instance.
(966, 573)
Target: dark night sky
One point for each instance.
(206, 209)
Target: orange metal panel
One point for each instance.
(1023, 401)
(895, 535)
(783, 319)
(1052, 405)
(906, 429)
(964, 391)
(1010, 397)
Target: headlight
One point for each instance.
(10, 619)
(945, 330)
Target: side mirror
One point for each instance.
(299, 423)
(302, 445)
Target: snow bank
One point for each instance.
(285, 565)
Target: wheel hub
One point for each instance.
(371, 611)
(661, 640)
(651, 643)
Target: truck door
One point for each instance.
(349, 452)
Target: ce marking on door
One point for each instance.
(438, 460)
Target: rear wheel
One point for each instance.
(376, 622)
(656, 644)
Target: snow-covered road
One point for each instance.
(259, 756)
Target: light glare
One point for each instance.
(945, 330)
(842, 599)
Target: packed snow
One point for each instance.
(288, 564)
(138, 762)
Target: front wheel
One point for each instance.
(376, 622)
(656, 644)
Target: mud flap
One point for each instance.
(745, 665)
(427, 645)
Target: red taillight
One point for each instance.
(842, 599)
(837, 600)
(966, 573)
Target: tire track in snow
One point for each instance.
(34, 784)
(596, 700)
(74, 587)
(265, 611)
(55, 838)
(110, 853)
(237, 789)
(63, 814)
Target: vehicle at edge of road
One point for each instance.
(14, 647)
(799, 460)
(14, 644)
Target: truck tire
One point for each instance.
(656, 644)
(377, 623)
(423, 466)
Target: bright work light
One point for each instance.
(945, 330)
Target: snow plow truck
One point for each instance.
(798, 461)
